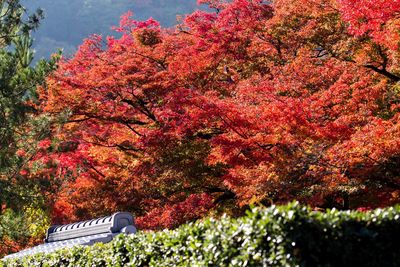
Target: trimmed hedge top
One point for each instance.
(290, 235)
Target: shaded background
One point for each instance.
(68, 22)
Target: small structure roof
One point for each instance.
(84, 233)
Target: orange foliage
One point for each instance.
(255, 102)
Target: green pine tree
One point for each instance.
(19, 198)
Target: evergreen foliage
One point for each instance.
(18, 81)
(291, 235)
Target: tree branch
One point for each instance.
(384, 72)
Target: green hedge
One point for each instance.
(290, 235)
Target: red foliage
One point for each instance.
(377, 18)
(195, 206)
(255, 102)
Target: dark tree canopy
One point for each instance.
(18, 81)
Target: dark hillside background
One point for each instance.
(68, 22)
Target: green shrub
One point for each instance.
(290, 235)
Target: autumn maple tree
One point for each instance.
(248, 102)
